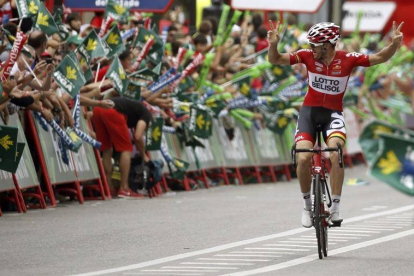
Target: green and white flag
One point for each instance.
(8, 143)
(27, 8)
(117, 73)
(178, 168)
(91, 47)
(369, 137)
(12, 165)
(154, 134)
(114, 41)
(117, 11)
(200, 122)
(133, 90)
(45, 22)
(144, 35)
(58, 16)
(145, 74)
(394, 162)
(69, 76)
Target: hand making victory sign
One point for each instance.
(274, 35)
(397, 34)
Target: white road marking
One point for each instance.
(162, 273)
(236, 244)
(308, 242)
(245, 255)
(350, 238)
(199, 267)
(315, 256)
(222, 259)
(258, 252)
(352, 235)
(293, 245)
(203, 263)
(393, 225)
(371, 228)
(177, 270)
(352, 231)
(276, 249)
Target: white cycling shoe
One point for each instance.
(336, 218)
(307, 218)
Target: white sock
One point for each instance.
(307, 201)
(336, 199)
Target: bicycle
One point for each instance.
(320, 206)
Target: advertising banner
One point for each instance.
(142, 5)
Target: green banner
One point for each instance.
(388, 165)
(114, 41)
(69, 76)
(200, 122)
(8, 143)
(117, 73)
(154, 133)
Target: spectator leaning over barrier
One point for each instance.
(111, 126)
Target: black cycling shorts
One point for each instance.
(331, 121)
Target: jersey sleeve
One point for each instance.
(300, 56)
(359, 59)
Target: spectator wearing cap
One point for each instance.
(112, 130)
(73, 42)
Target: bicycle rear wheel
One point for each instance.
(317, 213)
(324, 228)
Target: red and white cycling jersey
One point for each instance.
(327, 84)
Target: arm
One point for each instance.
(139, 139)
(275, 57)
(386, 53)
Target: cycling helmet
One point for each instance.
(324, 32)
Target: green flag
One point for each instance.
(117, 73)
(133, 90)
(200, 122)
(58, 16)
(117, 11)
(114, 41)
(154, 135)
(91, 47)
(45, 22)
(178, 168)
(394, 162)
(185, 84)
(68, 76)
(12, 165)
(243, 85)
(369, 136)
(144, 35)
(276, 73)
(27, 8)
(8, 143)
(145, 74)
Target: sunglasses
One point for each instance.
(314, 45)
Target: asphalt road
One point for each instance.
(232, 230)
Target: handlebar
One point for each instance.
(338, 149)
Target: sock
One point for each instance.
(336, 199)
(307, 201)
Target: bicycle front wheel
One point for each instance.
(317, 218)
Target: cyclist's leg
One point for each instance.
(336, 133)
(304, 139)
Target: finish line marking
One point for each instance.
(316, 257)
(239, 243)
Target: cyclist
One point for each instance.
(328, 73)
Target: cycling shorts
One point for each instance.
(331, 121)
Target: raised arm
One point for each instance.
(386, 53)
(275, 57)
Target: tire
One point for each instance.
(317, 213)
(324, 228)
